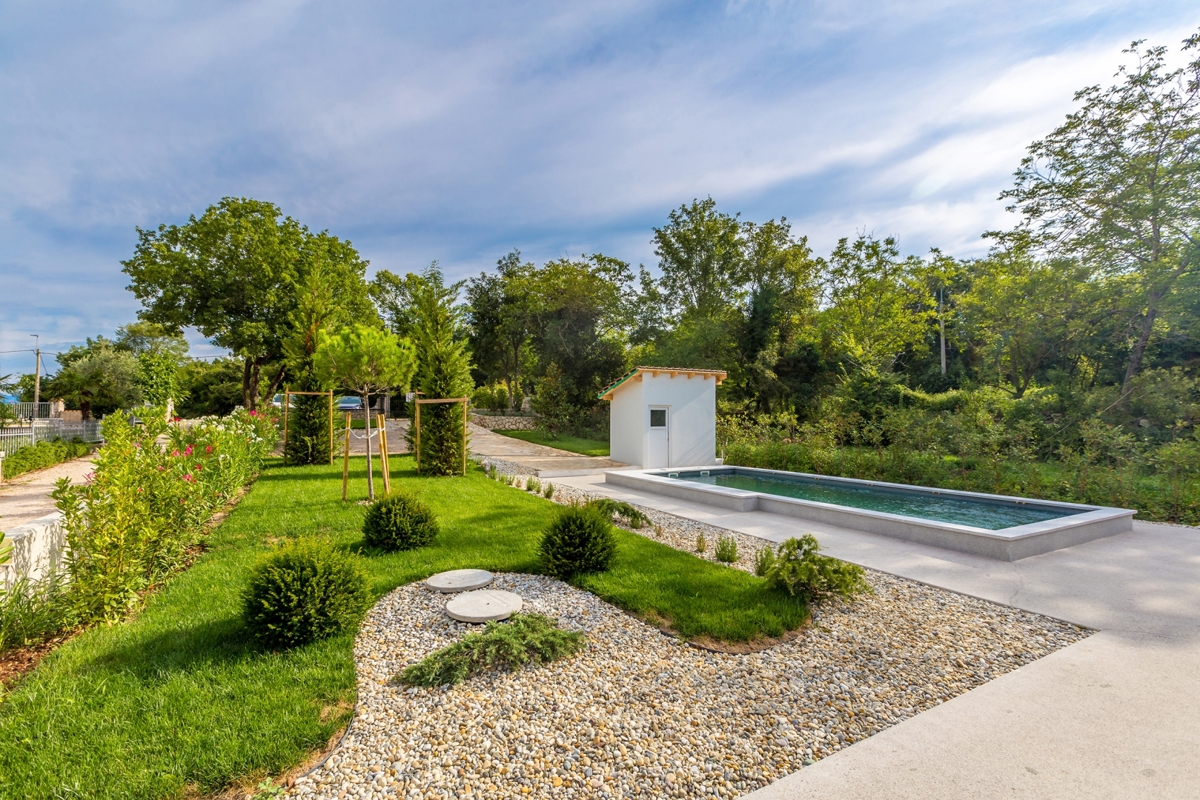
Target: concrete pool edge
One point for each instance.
(1009, 544)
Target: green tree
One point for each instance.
(367, 360)
(1118, 185)
(700, 254)
(443, 369)
(96, 378)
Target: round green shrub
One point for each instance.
(399, 522)
(302, 592)
(579, 540)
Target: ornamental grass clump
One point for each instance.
(727, 550)
(399, 522)
(533, 485)
(579, 541)
(524, 639)
(802, 572)
(303, 592)
(619, 511)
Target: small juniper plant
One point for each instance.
(802, 572)
(727, 549)
(579, 541)
(524, 639)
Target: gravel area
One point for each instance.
(639, 714)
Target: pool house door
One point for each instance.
(658, 439)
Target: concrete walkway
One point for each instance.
(1114, 716)
(540, 460)
(27, 497)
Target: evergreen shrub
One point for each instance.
(399, 522)
(303, 592)
(579, 541)
(727, 549)
(800, 570)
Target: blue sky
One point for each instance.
(457, 131)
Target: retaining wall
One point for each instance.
(37, 549)
(497, 423)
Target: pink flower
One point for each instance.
(161, 467)
(188, 451)
(175, 419)
(189, 478)
(175, 453)
(254, 413)
(208, 449)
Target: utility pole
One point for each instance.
(942, 325)
(37, 374)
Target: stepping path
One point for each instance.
(536, 459)
(484, 605)
(459, 580)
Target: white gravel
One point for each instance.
(639, 714)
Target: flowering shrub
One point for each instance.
(153, 488)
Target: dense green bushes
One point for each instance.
(145, 505)
(303, 592)
(42, 455)
(579, 541)
(399, 522)
(800, 570)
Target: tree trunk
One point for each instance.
(85, 410)
(370, 473)
(274, 387)
(255, 373)
(1139, 348)
(246, 367)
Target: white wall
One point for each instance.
(693, 418)
(626, 426)
(693, 415)
(38, 548)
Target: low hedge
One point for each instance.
(42, 455)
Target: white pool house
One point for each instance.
(664, 417)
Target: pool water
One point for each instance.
(921, 503)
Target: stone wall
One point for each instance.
(497, 423)
(37, 549)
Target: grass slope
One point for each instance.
(179, 700)
(573, 444)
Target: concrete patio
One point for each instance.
(1114, 716)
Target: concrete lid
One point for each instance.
(459, 580)
(483, 605)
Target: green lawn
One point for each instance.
(180, 701)
(574, 444)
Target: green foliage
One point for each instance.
(548, 491)
(399, 522)
(30, 613)
(764, 560)
(209, 388)
(579, 541)
(802, 572)
(157, 377)
(701, 543)
(619, 510)
(492, 398)
(133, 522)
(524, 639)
(303, 592)
(533, 485)
(552, 403)
(727, 549)
(96, 378)
(42, 455)
(308, 430)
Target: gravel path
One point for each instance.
(639, 714)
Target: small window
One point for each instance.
(658, 418)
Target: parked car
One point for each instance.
(277, 401)
(349, 404)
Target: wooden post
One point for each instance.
(383, 455)
(464, 437)
(331, 427)
(285, 425)
(417, 420)
(346, 459)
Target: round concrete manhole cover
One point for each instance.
(459, 580)
(483, 605)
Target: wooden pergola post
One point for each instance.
(346, 460)
(285, 424)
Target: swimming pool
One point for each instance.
(994, 526)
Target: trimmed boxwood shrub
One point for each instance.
(302, 592)
(399, 522)
(579, 540)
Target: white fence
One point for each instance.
(13, 438)
(31, 410)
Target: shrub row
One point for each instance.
(42, 455)
(145, 504)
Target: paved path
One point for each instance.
(1114, 716)
(27, 497)
(539, 459)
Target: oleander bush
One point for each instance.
(800, 570)
(30, 613)
(42, 455)
(302, 592)
(399, 522)
(145, 506)
(579, 541)
(524, 639)
(727, 549)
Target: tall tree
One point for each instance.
(1118, 184)
(232, 273)
(700, 255)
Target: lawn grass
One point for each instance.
(180, 701)
(573, 444)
